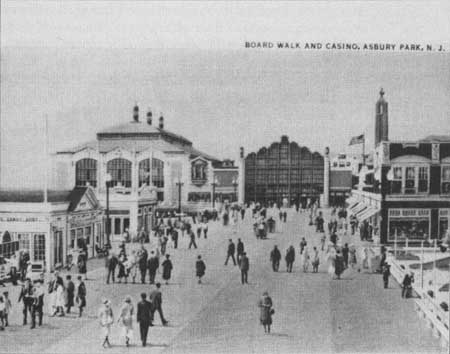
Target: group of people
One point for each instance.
(144, 316)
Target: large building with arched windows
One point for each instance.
(150, 168)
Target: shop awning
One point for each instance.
(361, 211)
(367, 213)
(358, 208)
(351, 201)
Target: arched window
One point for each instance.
(199, 170)
(144, 172)
(120, 170)
(158, 173)
(86, 172)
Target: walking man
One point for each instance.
(230, 252)
(156, 301)
(37, 307)
(200, 268)
(290, 258)
(111, 264)
(240, 250)
(153, 265)
(192, 237)
(143, 255)
(244, 264)
(81, 295)
(144, 317)
(26, 296)
(275, 257)
(167, 267)
(386, 273)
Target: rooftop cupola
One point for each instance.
(161, 121)
(149, 117)
(136, 113)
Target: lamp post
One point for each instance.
(235, 184)
(179, 185)
(108, 221)
(214, 184)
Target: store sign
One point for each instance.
(409, 213)
(20, 219)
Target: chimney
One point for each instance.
(136, 113)
(161, 121)
(149, 117)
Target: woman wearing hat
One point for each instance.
(126, 319)
(106, 318)
(265, 305)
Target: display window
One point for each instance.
(411, 228)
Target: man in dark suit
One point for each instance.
(153, 264)
(26, 295)
(156, 300)
(244, 264)
(143, 255)
(230, 252)
(144, 317)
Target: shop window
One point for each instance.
(86, 172)
(24, 242)
(39, 247)
(410, 180)
(423, 179)
(117, 226)
(411, 228)
(158, 173)
(445, 180)
(144, 172)
(120, 170)
(126, 224)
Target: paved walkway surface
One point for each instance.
(313, 312)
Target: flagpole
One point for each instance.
(46, 160)
(364, 149)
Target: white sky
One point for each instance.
(52, 64)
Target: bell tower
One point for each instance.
(381, 120)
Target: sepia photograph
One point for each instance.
(224, 177)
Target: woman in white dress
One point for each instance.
(126, 319)
(60, 299)
(331, 256)
(106, 319)
(305, 259)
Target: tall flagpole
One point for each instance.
(46, 161)
(364, 149)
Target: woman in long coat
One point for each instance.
(82, 264)
(339, 265)
(200, 268)
(126, 319)
(167, 269)
(265, 305)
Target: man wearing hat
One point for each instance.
(144, 317)
(38, 304)
(26, 296)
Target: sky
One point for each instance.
(85, 64)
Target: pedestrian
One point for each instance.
(164, 239)
(265, 304)
(143, 255)
(60, 298)
(8, 307)
(275, 257)
(315, 260)
(152, 265)
(144, 317)
(331, 256)
(121, 265)
(386, 273)
(200, 268)
(240, 250)
(244, 265)
(199, 230)
(338, 265)
(284, 216)
(174, 235)
(2, 313)
(111, 264)
(81, 295)
(167, 269)
(303, 244)
(126, 319)
(322, 242)
(230, 252)
(155, 298)
(106, 319)
(37, 308)
(345, 253)
(70, 292)
(352, 256)
(407, 285)
(305, 260)
(205, 228)
(290, 258)
(82, 264)
(26, 296)
(192, 239)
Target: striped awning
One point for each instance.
(367, 213)
(358, 208)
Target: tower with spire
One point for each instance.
(381, 120)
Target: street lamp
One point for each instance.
(108, 221)
(179, 185)
(235, 184)
(214, 184)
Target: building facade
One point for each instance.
(284, 170)
(150, 169)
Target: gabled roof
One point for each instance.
(77, 194)
(89, 145)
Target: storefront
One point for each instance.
(51, 232)
(412, 224)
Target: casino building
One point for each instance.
(150, 170)
(407, 194)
